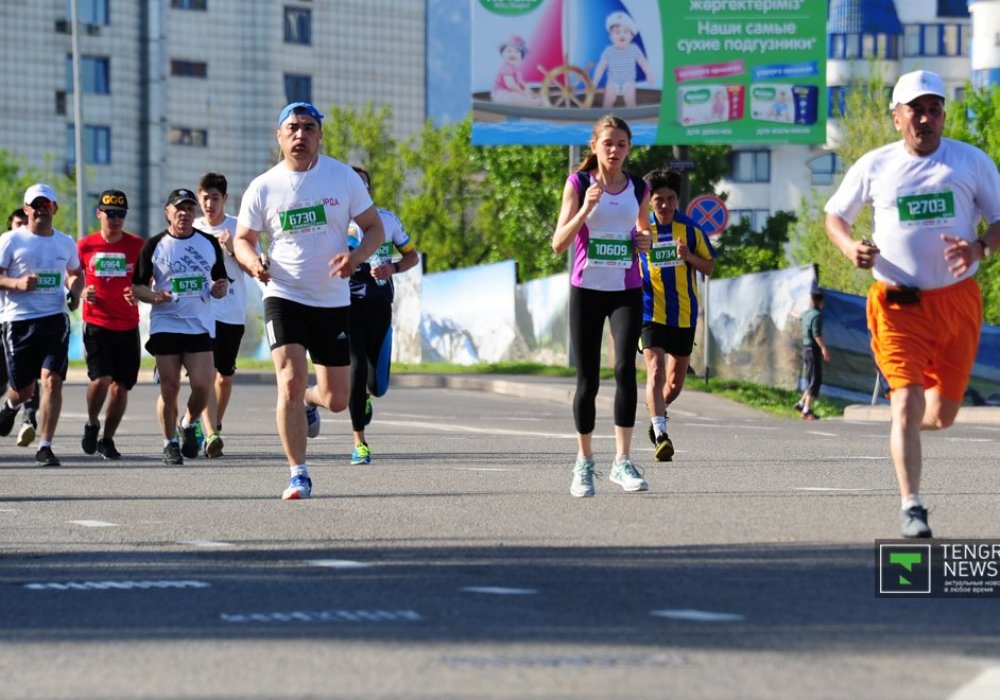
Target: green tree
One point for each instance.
(16, 178)
(439, 212)
(744, 250)
(711, 163)
(364, 138)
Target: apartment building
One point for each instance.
(174, 88)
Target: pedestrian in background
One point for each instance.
(814, 354)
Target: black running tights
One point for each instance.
(587, 310)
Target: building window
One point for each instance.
(189, 69)
(96, 144)
(824, 167)
(952, 8)
(184, 136)
(95, 74)
(757, 218)
(298, 88)
(298, 25)
(936, 40)
(189, 4)
(89, 11)
(911, 40)
(751, 166)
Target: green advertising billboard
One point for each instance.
(680, 71)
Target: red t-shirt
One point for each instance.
(109, 267)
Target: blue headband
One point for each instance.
(299, 108)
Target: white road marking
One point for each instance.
(206, 543)
(7, 510)
(92, 523)
(698, 615)
(486, 469)
(451, 427)
(847, 459)
(338, 563)
(498, 590)
(827, 488)
(113, 585)
(985, 686)
(957, 439)
(820, 433)
(325, 616)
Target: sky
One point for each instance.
(448, 51)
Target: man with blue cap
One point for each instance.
(305, 204)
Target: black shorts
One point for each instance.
(178, 343)
(227, 346)
(323, 331)
(112, 354)
(33, 344)
(674, 341)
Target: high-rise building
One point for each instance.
(175, 88)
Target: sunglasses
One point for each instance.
(42, 205)
(114, 213)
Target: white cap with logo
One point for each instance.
(39, 190)
(916, 84)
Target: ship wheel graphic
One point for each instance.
(567, 86)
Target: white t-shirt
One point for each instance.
(915, 200)
(50, 257)
(231, 308)
(306, 215)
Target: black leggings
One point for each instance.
(587, 310)
(370, 322)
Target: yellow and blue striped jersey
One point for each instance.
(670, 294)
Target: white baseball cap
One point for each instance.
(916, 84)
(39, 190)
(620, 18)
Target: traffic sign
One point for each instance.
(710, 213)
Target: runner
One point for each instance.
(372, 292)
(305, 203)
(37, 265)
(605, 211)
(110, 321)
(230, 311)
(669, 301)
(173, 275)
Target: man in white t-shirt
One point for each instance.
(37, 265)
(305, 204)
(925, 309)
(230, 310)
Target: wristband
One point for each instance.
(986, 247)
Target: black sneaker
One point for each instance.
(172, 454)
(89, 441)
(664, 449)
(45, 458)
(913, 522)
(7, 416)
(106, 448)
(189, 441)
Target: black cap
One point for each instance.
(112, 199)
(182, 195)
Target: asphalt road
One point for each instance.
(458, 566)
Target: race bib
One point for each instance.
(49, 282)
(187, 286)
(609, 249)
(110, 265)
(926, 208)
(664, 254)
(303, 219)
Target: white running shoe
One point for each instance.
(583, 479)
(627, 476)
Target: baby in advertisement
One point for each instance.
(786, 104)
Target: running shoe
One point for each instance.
(913, 522)
(172, 454)
(627, 476)
(45, 458)
(26, 435)
(798, 406)
(7, 416)
(361, 454)
(189, 441)
(312, 416)
(652, 434)
(664, 449)
(199, 434)
(89, 441)
(369, 411)
(213, 446)
(583, 479)
(299, 487)
(809, 415)
(106, 448)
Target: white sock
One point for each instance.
(299, 470)
(912, 500)
(44, 443)
(185, 423)
(659, 425)
(167, 442)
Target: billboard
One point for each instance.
(679, 71)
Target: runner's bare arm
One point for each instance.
(245, 251)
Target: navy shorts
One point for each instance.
(33, 344)
(323, 331)
(227, 346)
(112, 354)
(178, 343)
(675, 341)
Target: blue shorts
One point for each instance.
(34, 344)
